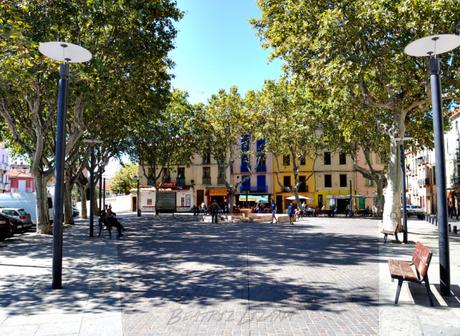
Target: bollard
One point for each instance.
(450, 229)
(455, 229)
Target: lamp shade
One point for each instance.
(65, 52)
(432, 45)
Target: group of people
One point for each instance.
(109, 218)
(291, 211)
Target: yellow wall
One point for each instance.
(287, 170)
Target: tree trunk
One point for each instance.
(84, 211)
(379, 196)
(43, 221)
(68, 218)
(392, 207)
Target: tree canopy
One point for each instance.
(350, 54)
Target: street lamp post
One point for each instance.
(403, 187)
(64, 53)
(100, 189)
(91, 143)
(138, 195)
(103, 194)
(432, 46)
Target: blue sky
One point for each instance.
(216, 48)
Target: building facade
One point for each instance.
(335, 180)
(283, 178)
(4, 168)
(21, 179)
(251, 173)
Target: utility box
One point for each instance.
(166, 202)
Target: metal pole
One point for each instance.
(59, 177)
(91, 194)
(404, 201)
(138, 206)
(351, 199)
(444, 264)
(103, 195)
(100, 190)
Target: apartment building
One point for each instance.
(251, 173)
(203, 180)
(334, 180)
(284, 180)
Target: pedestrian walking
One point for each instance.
(214, 207)
(291, 213)
(274, 208)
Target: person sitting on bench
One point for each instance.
(109, 218)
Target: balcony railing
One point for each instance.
(220, 180)
(286, 189)
(180, 182)
(206, 180)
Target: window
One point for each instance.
(166, 175)
(369, 182)
(245, 183)
(245, 140)
(327, 181)
(287, 181)
(261, 183)
(302, 160)
(343, 180)
(302, 184)
(221, 175)
(206, 175)
(342, 158)
(327, 158)
(261, 164)
(149, 202)
(180, 172)
(286, 160)
(206, 158)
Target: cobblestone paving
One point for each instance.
(182, 277)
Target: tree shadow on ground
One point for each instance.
(177, 259)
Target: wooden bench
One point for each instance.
(412, 271)
(103, 224)
(394, 232)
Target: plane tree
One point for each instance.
(293, 124)
(350, 53)
(129, 62)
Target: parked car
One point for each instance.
(19, 219)
(415, 210)
(75, 212)
(6, 229)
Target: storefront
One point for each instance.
(218, 194)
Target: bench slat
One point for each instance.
(400, 269)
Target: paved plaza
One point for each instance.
(179, 276)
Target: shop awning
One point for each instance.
(254, 198)
(218, 192)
